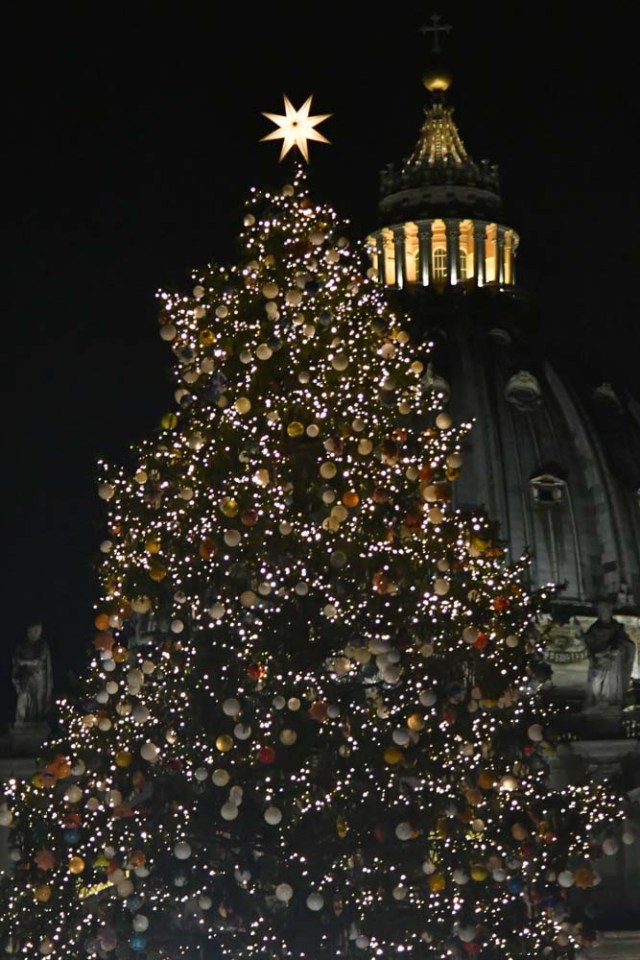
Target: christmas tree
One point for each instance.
(311, 727)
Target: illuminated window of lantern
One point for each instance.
(372, 250)
(439, 263)
(466, 251)
(491, 253)
(389, 254)
(411, 253)
(510, 242)
(462, 264)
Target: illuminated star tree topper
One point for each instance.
(296, 127)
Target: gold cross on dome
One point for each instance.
(436, 29)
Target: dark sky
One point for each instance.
(130, 135)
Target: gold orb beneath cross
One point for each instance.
(436, 79)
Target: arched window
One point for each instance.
(462, 264)
(547, 488)
(440, 263)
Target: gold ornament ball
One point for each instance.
(123, 758)
(443, 421)
(224, 743)
(157, 572)
(152, 545)
(243, 405)
(141, 604)
(229, 507)
(340, 362)
(392, 755)
(415, 721)
(436, 882)
(168, 332)
(478, 872)
(169, 421)
(295, 429)
(76, 865)
(328, 470)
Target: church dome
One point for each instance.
(554, 459)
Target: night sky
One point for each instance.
(130, 142)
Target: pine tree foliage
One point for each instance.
(310, 727)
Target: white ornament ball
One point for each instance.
(46, 947)
(273, 816)
(315, 901)
(427, 698)
(106, 491)
(235, 794)
(391, 675)
(443, 421)
(284, 892)
(231, 707)
(140, 714)
(205, 902)
(149, 751)
(466, 934)
(610, 846)
(216, 611)
(125, 889)
(400, 737)
(428, 867)
(182, 850)
(242, 731)
(362, 942)
(535, 732)
(201, 774)
(177, 626)
(399, 892)
(140, 923)
(404, 831)
(220, 777)
(565, 878)
(229, 811)
(460, 877)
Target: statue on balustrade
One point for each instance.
(612, 654)
(32, 676)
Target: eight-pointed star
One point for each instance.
(296, 127)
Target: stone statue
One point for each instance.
(32, 676)
(612, 654)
